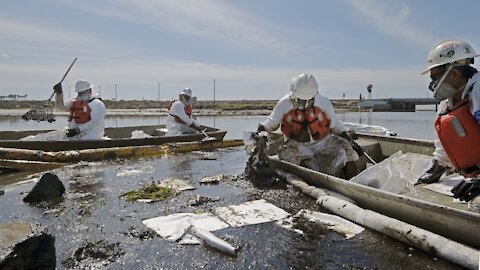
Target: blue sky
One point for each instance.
(250, 48)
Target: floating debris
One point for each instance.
(209, 156)
(176, 184)
(135, 171)
(199, 199)
(213, 179)
(150, 193)
(142, 235)
(99, 252)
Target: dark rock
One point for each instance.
(2, 192)
(26, 246)
(48, 187)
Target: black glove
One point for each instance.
(261, 128)
(352, 142)
(72, 132)
(196, 127)
(57, 88)
(433, 174)
(352, 134)
(467, 190)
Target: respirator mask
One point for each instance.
(185, 99)
(84, 96)
(302, 104)
(442, 90)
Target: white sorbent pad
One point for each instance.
(173, 227)
(249, 213)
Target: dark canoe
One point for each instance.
(437, 215)
(120, 137)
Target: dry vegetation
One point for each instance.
(226, 105)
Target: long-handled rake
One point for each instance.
(44, 111)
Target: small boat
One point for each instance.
(432, 213)
(118, 137)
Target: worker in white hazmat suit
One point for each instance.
(313, 135)
(179, 119)
(456, 83)
(86, 120)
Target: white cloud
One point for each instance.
(39, 40)
(392, 18)
(205, 19)
(4, 55)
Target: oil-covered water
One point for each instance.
(92, 211)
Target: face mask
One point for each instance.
(442, 90)
(185, 99)
(301, 104)
(84, 96)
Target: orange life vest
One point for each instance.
(295, 120)
(188, 110)
(319, 124)
(459, 133)
(80, 112)
(292, 123)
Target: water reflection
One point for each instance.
(180, 166)
(86, 187)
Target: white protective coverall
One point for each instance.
(474, 100)
(338, 150)
(91, 130)
(175, 128)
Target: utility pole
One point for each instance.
(158, 96)
(69, 92)
(213, 92)
(116, 96)
(99, 89)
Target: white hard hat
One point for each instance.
(82, 86)
(304, 86)
(187, 91)
(448, 52)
